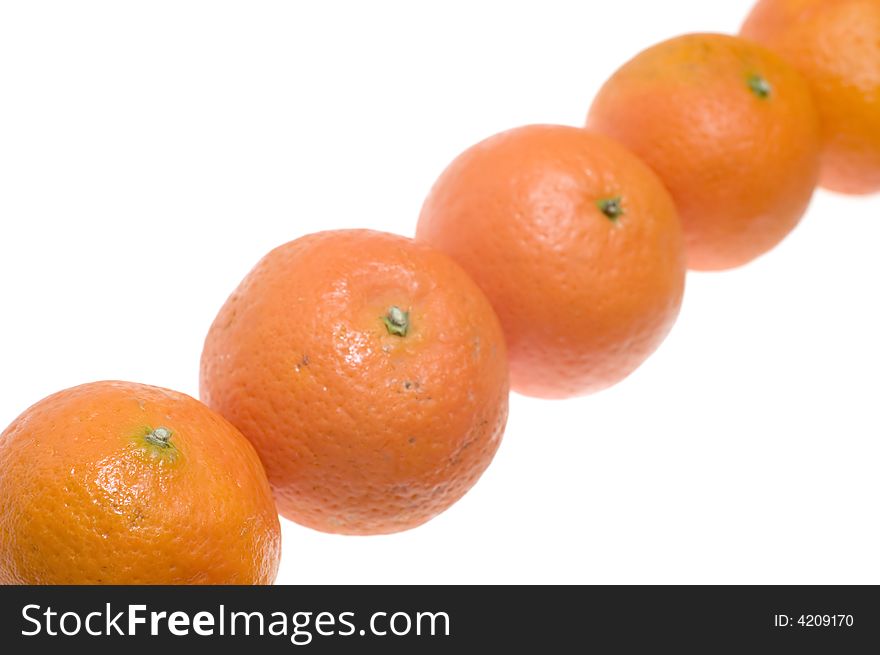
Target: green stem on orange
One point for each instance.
(156, 444)
(611, 207)
(160, 437)
(396, 321)
(760, 86)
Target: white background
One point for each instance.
(150, 153)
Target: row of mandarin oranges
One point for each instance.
(358, 382)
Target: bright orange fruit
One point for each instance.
(836, 45)
(370, 373)
(120, 483)
(732, 131)
(576, 243)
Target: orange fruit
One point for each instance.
(121, 483)
(576, 243)
(732, 131)
(370, 373)
(836, 45)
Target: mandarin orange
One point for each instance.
(577, 245)
(121, 483)
(732, 131)
(370, 373)
(835, 44)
